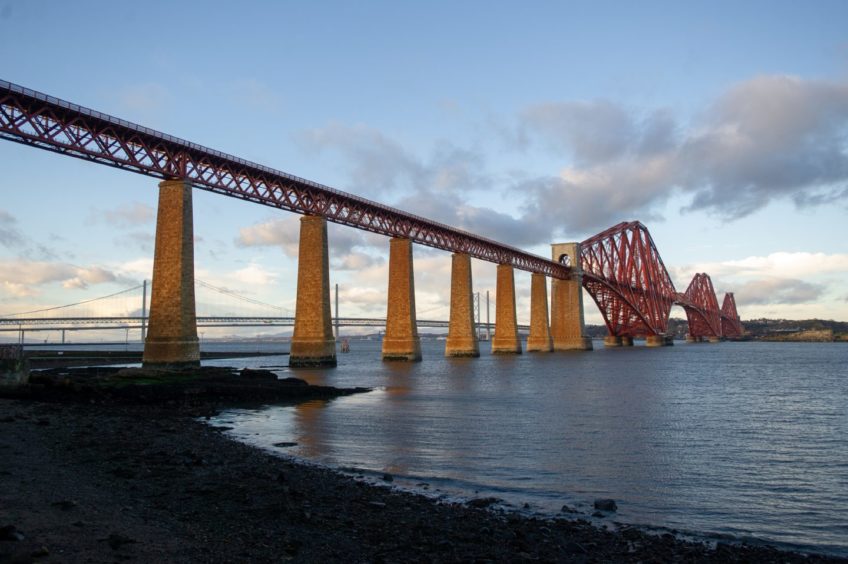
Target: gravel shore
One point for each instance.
(111, 483)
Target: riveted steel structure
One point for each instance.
(42, 121)
(731, 325)
(623, 271)
(701, 307)
(624, 274)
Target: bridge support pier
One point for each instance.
(539, 339)
(612, 341)
(567, 327)
(462, 339)
(692, 338)
(714, 339)
(313, 344)
(401, 340)
(659, 341)
(505, 340)
(172, 326)
(626, 341)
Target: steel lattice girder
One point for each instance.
(625, 275)
(701, 307)
(38, 120)
(731, 325)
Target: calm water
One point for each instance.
(748, 440)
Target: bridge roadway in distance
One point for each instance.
(117, 323)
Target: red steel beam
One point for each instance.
(731, 325)
(625, 275)
(42, 121)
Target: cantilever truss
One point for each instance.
(701, 307)
(42, 121)
(731, 325)
(624, 274)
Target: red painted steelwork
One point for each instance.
(38, 120)
(701, 307)
(731, 325)
(624, 274)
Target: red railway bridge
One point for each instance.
(620, 268)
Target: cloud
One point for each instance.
(357, 261)
(128, 215)
(778, 291)
(774, 265)
(254, 275)
(86, 276)
(284, 232)
(771, 137)
(378, 166)
(10, 236)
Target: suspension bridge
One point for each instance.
(218, 307)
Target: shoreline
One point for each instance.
(152, 483)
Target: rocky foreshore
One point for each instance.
(153, 483)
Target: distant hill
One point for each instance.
(763, 329)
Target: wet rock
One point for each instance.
(482, 502)
(10, 533)
(631, 534)
(574, 548)
(284, 444)
(388, 478)
(606, 505)
(116, 541)
(293, 381)
(65, 504)
(568, 509)
(253, 374)
(40, 552)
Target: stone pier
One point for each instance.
(612, 341)
(462, 338)
(567, 327)
(312, 343)
(505, 340)
(401, 340)
(172, 327)
(659, 341)
(539, 339)
(626, 341)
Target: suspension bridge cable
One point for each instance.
(74, 304)
(238, 296)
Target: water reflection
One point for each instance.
(731, 438)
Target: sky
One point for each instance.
(722, 126)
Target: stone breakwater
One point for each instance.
(101, 483)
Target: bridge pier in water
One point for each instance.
(612, 341)
(539, 339)
(505, 340)
(401, 341)
(172, 327)
(626, 341)
(313, 344)
(659, 341)
(567, 326)
(462, 338)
